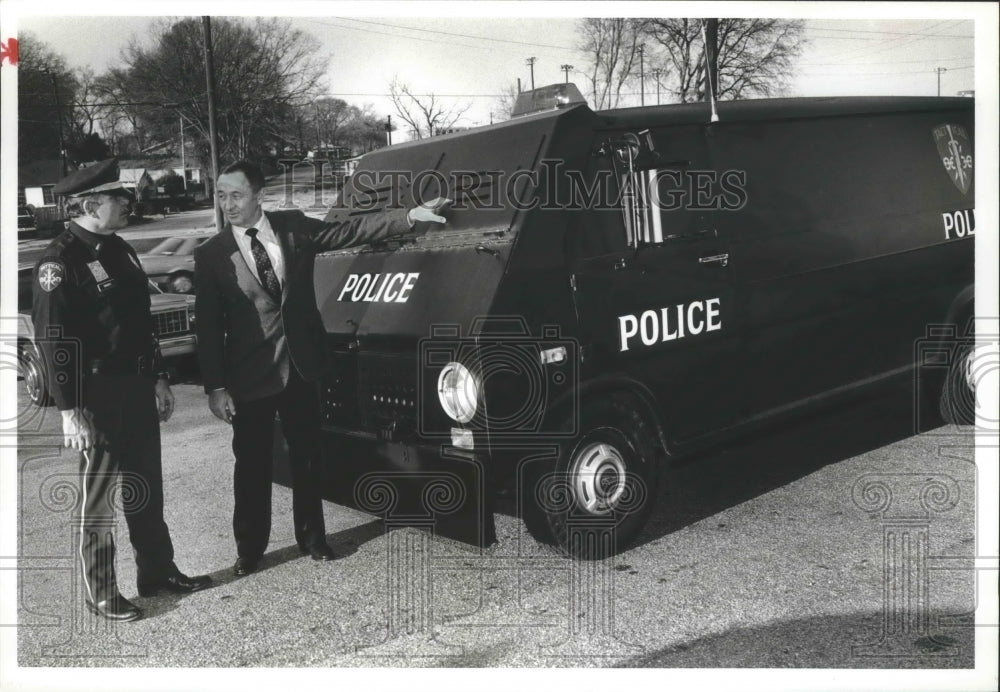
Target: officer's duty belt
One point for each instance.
(142, 365)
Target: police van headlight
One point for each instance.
(458, 391)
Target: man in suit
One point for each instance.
(261, 346)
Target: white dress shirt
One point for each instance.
(265, 234)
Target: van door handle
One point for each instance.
(722, 260)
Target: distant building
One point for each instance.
(970, 93)
(138, 180)
(450, 130)
(35, 181)
(157, 167)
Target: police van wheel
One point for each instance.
(597, 496)
(958, 395)
(33, 375)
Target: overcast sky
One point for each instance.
(475, 57)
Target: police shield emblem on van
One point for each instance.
(956, 154)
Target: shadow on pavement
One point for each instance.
(822, 641)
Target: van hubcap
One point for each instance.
(597, 476)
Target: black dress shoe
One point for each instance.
(117, 608)
(244, 566)
(321, 552)
(175, 583)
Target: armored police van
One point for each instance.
(614, 290)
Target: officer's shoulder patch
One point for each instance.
(50, 275)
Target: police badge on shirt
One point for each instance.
(104, 282)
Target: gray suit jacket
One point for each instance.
(247, 341)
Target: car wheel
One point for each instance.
(958, 395)
(181, 283)
(33, 375)
(595, 498)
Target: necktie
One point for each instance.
(265, 270)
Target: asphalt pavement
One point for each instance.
(775, 552)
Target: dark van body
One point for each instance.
(616, 289)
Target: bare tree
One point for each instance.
(426, 115)
(46, 91)
(504, 105)
(612, 45)
(264, 68)
(756, 57)
(366, 130)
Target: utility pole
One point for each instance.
(566, 69)
(530, 62)
(319, 136)
(656, 76)
(212, 137)
(642, 76)
(184, 174)
(62, 142)
(388, 130)
(939, 70)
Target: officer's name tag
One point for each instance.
(104, 282)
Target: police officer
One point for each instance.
(94, 330)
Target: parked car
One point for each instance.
(170, 264)
(173, 319)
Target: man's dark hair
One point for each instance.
(252, 172)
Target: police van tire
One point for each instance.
(33, 375)
(597, 496)
(958, 397)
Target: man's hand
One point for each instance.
(222, 405)
(78, 430)
(164, 400)
(429, 211)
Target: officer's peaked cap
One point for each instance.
(101, 177)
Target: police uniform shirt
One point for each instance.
(91, 301)
(265, 234)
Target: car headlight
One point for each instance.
(458, 390)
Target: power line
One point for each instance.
(867, 74)
(893, 43)
(455, 96)
(426, 40)
(386, 33)
(888, 62)
(449, 33)
(884, 33)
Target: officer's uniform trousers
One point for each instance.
(124, 414)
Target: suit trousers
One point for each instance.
(297, 407)
(123, 408)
